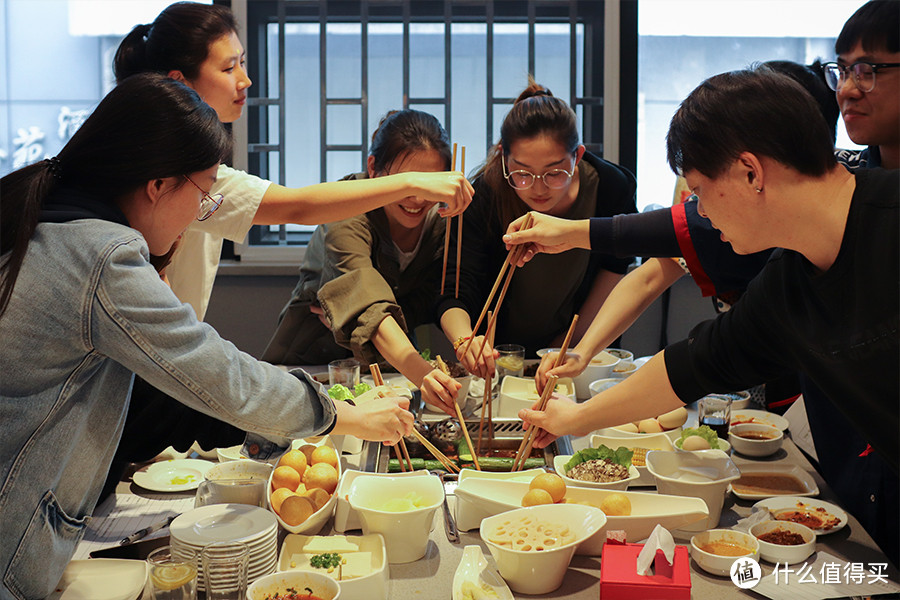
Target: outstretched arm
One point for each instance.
(337, 200)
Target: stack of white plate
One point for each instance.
(254, 526)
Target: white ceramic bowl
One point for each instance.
(724, 446)
(541, 572)
(616, 432)
(649, 441)
(715, 563)
(778, 553)
(559, 463)
(755, 447)
(624, 369)
(374, 586)
(345, 518)
(405, 533)
(703, 474)
(240, 469)
(600, 367)
(230, 453)
(322, 586)
(601, 385)
(621, 354)
(517, 393)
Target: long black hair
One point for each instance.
(148, 127)
(178, 40)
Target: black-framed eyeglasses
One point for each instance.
(522, 180)
(208, 204)
(863, 74)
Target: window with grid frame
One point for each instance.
(326, 72)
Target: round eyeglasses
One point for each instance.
(522, 180)
(208, 204)
(863, 74)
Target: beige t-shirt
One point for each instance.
(192, 271)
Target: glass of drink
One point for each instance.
(173, 573)
(715, 412)
(511, 360)
(225, 570)
(344, 372)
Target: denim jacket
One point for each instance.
(87, 312)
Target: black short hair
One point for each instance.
(876, 24)
(755, 110)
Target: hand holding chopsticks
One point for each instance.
(404, 459)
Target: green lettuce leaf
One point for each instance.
(621, 456)
(361, 388)
(703, 431)
(340, 392)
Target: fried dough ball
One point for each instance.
(324, 454)
(278, 497)
(535, 497)
(294, 459)
(551, 483)
(321, 475)
(296, 509)
(285, 477)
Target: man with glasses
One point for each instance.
(866, 79)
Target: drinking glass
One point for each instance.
(511, 360)
(225, 570)
(344, 372)
(173, 574)
(715, 412)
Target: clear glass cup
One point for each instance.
(225, 570)
(511, 360)
(715, 412)
(173, 573)
(344, 372)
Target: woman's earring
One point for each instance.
(759, 190)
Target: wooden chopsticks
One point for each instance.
(511, 260)
(487, 399)
(531, 432)
(458, 234)
(448, 464)
(462, 422)
(375, 370)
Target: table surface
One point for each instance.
(422, 579)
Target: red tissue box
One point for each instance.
(620, 581)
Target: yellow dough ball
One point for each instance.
(321, 475)
(319, 497)
(278, 497)
(616, 505)
(296, 509)
(324, 454)
(551, 483)
(294, 459)
(535, 497)
(285, 477)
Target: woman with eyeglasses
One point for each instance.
(198, 45)
(367, 282)
(82, 310)
(538, 165)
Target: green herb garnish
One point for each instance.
(328, 560)
(621, 456)
(425, 354)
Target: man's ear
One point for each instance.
(754, 170)
(177, 76)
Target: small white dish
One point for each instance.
(474, 572)
(179, 475)
(768, 441)
(805, 479)
(624, 368)
(650, 441)
(540, 572)
(784, 553)
(600, 367)
(230, 453)
(724, 446)
(672, 434)
(405, 533)
(374, 586)
(718, 564)
(621, 354)
(783, 505)
(749, 415)
(559, 463)
(601, 385)
(101, 579)
(240, 469)
(322, 586)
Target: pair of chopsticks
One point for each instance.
(528, 439)
(459, 230)
(512, 259)
(459, 415)
(487, 399)
(404, 459)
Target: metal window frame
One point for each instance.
(600, 58)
